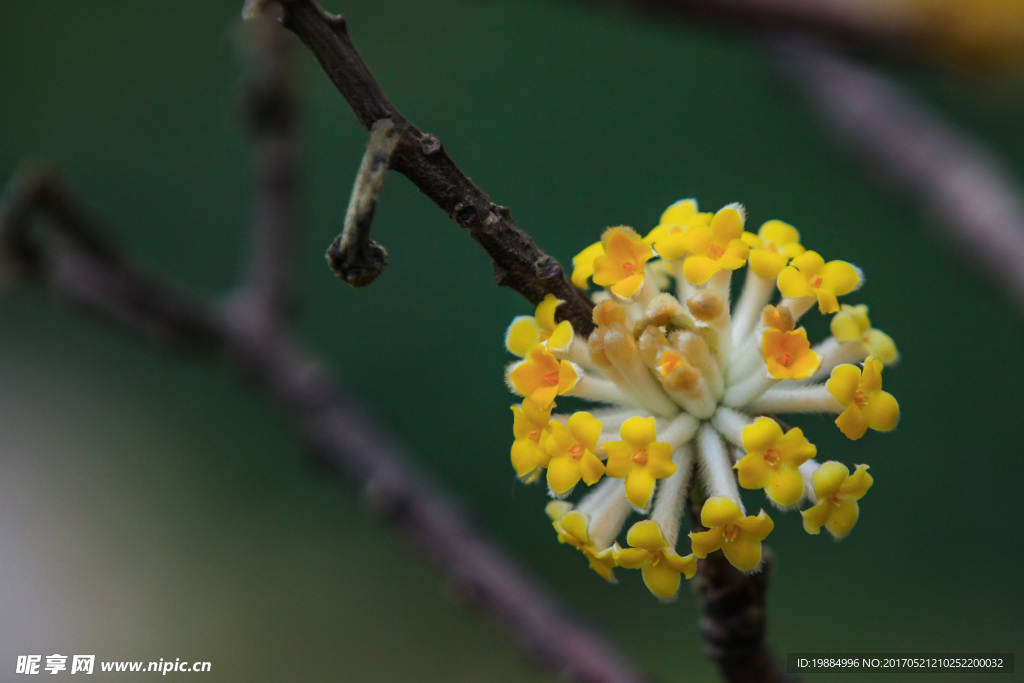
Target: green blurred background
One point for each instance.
(151, 506)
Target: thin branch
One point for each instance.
(734, 621)
(269, 112)
(953, 179)
(353, 256)
(337, 430)
(518, 262)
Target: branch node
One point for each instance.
(353, 256)
(467, 215)
(549, 268)
(430, 144)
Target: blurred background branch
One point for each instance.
(984, 34)
(919, 157)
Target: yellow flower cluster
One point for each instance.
(688, 393)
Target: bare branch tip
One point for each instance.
(353, 256)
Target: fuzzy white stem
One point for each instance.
(749, 389)
(745, 361)
(789, 399)
(679, 430)
(579, 355)
(807, 470)
(835, 353)
(730, 424)
(716, 466)
(799, 305)
(607, 520)
(684, 288)
(648, 290)
(598, 496)
(721, 282)
(600, 390)
(757, 292)
(649, 392)
(672, 494)
(612, 418)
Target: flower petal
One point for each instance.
(843, 518)
(585, 428)
(563, 475)
(843, 383)
(743, 553)
(639, 488)
(704, 543)
(661, 579)
(882, 412)
(786, 487)
(647, 535)
(522, 335)
(719, 511)
(638, 432)
(698, 269)
(852, 422)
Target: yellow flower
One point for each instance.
(718, 246)
(668, 236)
(866, 405)
(838, 492)
(773, 460)
(851, 323)
(659, 564)
(583, 264)
(682, 375)
(772, 248)
(530, 428)
(640, 459)
(623, 263)
(571, 528)
(541, 377)
(527, 331)
(737, 536)
(809, 275)
(788, 355)
(571, 450)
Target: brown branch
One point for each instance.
(953, 179)
(518, 262)
(733, 622)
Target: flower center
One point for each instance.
(640, 457)
(784, 359)
(576, 451)
(544, 335)
(837, 498)
(534, 434)
(771, 457)
(655, 556)
(715, 251)
(669, 362)
(816, 281)
(628, 267)
(730, 532)
(551, 377)
(860, 398)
